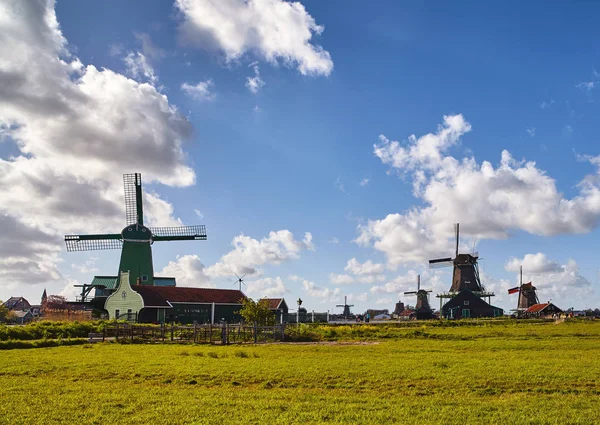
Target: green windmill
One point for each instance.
(135, 240)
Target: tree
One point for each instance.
(56, 302)
(3, 312)
(257, 312)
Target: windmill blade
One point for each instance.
(134, 212)
(441, 262)
(410, 293)
(182, 233)
(93, 242)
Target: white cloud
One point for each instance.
(77, 128)
(562, 283)
(198, 213)
(138, 67)
(334, 240)
(340, 279)
(587, 86)
(149, 49)
(530, 131)
(364, 182)
(367, 268)
(255, 83)
(277, 30)
(380, 301)
(514, 195)
(200, 91)
(188, 270)
(532, 264)
(267, 287)
(248, 253)
(546, 104)
(314, 291)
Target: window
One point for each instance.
(466, 302)
(129, 314)
(144, 278)
(466, 312)
(117, 314)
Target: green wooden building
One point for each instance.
(160, 304)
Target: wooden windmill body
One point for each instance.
(465, 277)
(422, 308)
(527, 295)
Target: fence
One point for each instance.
(306, 317)
(197, 334)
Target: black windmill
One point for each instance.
(465, 274)
(422, 308)
(347, 314)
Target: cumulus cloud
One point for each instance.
(364, 182)
(340, 279)
(248, 253)
(276, 30)
(188, 270)
(78, 129)
(267, 287)
(366, 268)
(515, 195)
(200, 91)
(138, 67)
(563, 283)
(318, 292)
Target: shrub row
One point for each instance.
(41, 343)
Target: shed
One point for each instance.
(278, 306)
(22, 317)
(466, 305)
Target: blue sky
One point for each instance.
(292, 156)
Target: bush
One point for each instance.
(49, 330)
(40, 343)
(301, 333)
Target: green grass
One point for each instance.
(507, 373)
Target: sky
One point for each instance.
(328, 147)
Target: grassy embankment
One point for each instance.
(518, 374)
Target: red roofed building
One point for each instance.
(543, 310)
(278, 306)
(159, 304)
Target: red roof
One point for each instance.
(536, 308)
(157, 296)
(272, 303)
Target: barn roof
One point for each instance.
(12, 302)
(272, 303)
(536, 308)
(161, 296)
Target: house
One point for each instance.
(160, 304)
(468, 305)
(542, 310)
(278, 306)
(22, 317)
(17, 304)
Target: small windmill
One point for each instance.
(527, 294)
(239, 281)
(346, 307)
(422, 308)
(135, 240)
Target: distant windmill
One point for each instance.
(527, 294)
(240, 281)
(422, 308)
(135, 240)
(346, 307)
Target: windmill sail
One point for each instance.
(134, 213)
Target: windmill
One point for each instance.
(346, 307)
(527, 294)
(422, 308)
(240, 281)
(135, 240)
(465, 274)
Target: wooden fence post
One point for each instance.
(210, 333)
(117, 331)
(172, 330)
(255, 333)
(195, 332)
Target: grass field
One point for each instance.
(503, 374)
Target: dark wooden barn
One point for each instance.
(278, 306)
(466, 304)
(542, 310)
